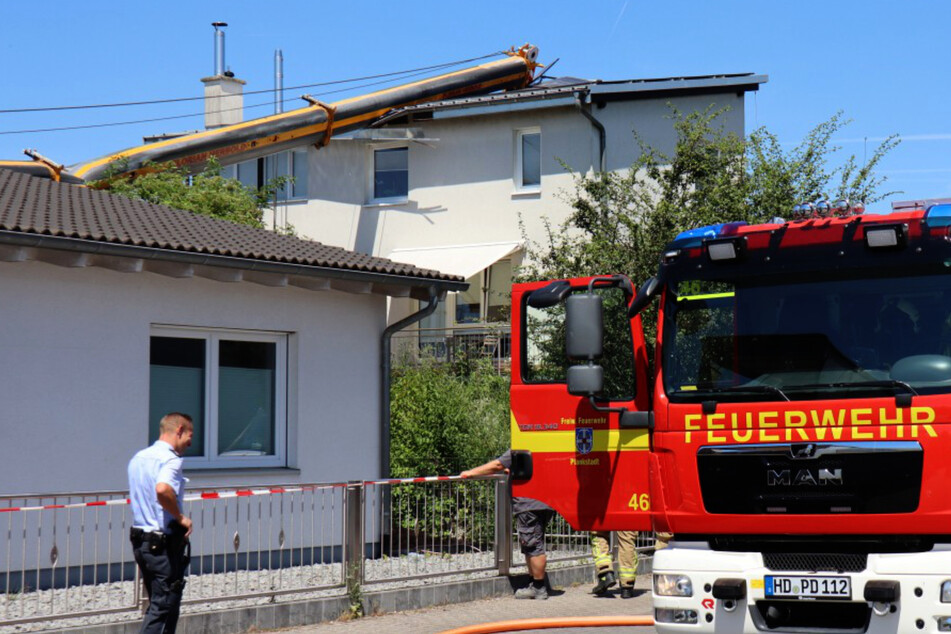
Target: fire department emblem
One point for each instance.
(584, 439)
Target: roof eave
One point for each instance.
(417, 287)
(595, 91)
(602, 92)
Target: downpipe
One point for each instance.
(602, 135)
(388, 333)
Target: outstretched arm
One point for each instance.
(492, 466)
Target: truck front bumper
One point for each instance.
(700, 590)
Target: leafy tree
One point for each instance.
(207, 192)
(621, 221)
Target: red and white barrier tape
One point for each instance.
(414, 480)
(237, 493)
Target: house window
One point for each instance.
(257, 172)
(488, 296)
(299, 172)
(232, 384)
(528, 159)
(499, 291)
(276, 165)
(288, 164)
(469, 301)
(391, 174)
(248, 174)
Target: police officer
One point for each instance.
(160, 529)
(626, 557)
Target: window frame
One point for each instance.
(626, 346)
(211, 459)
(272, 163)
(519, 167)
(262, 167)
(297, 185)
(371, 174)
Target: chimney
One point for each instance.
(224, 93)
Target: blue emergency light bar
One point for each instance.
(938, 215)
(695, 237)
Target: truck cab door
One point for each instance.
(570, 452)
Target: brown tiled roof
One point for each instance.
(32, 205)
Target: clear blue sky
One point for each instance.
(884, 63)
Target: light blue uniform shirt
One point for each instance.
(158, 463)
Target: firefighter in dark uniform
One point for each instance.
(160, 529)
(531, 518)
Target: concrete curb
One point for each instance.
(313, 611)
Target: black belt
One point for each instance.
(152, 537)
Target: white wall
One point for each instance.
(461, 187)
(74, 353)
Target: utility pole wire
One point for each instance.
(253, 92)
(199, 114)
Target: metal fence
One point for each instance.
(491, 341)
(66, 558)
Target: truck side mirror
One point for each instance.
(585, 380)
(584, 327)
(584, 341)
(644, 296)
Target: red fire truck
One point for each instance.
(791, 430)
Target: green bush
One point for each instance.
(446, 418)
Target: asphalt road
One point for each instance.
(572, 601)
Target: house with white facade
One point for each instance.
(116, 311)
(458, 185)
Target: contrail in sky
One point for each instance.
(903, 137)
(618, 19)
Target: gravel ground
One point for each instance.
(380, 574)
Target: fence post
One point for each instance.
(503, 526)
(353, 536)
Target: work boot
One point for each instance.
(605, 581)
(532, 592)
(627, 591)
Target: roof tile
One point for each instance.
(40, 206)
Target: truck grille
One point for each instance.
(816, 562)
(811, 478)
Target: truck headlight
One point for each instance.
(676, 585)
(946, 592)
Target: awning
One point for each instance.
(464, 260)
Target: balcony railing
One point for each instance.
(491, 341)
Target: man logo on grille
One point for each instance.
(803, 477)
(584, 439)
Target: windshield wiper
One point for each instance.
(767, 389)
(848, 384)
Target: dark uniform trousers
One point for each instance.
(163, 560)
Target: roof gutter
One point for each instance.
(60, 243)
(602, 136)
(385, 378)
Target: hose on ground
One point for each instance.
(521, 625)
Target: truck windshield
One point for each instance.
(737, 341)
